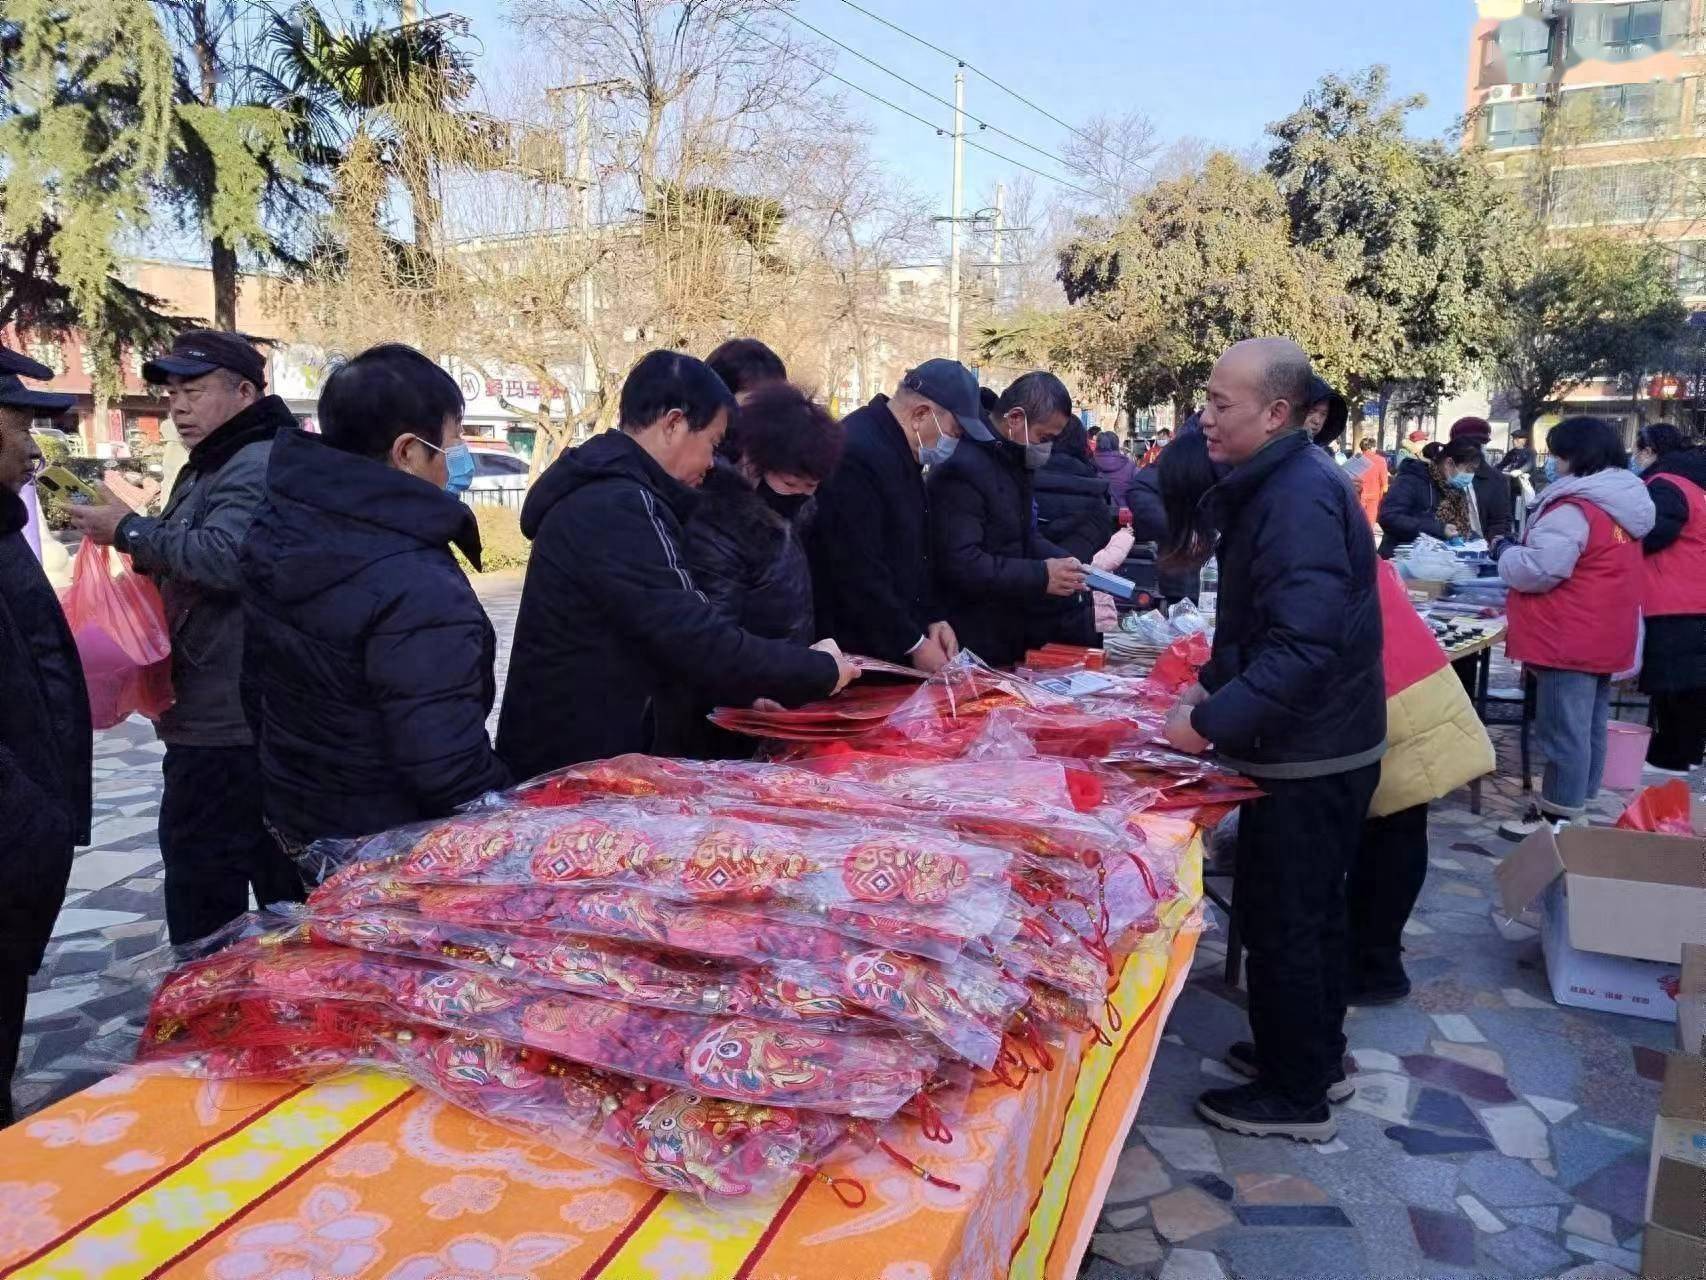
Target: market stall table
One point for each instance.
(362, 1175)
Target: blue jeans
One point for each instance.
(1571, 710)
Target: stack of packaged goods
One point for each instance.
(715, 973)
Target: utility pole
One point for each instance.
(954, 215)
(583, 179)
(995, 248)
(408, 7)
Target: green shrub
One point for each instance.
(502, 545)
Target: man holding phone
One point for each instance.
(212, 839)
(46, 744)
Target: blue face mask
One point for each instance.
(1463, 480)
(459, 462)
(934, 455)
(1551, 468)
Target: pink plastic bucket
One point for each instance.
(1625, 754)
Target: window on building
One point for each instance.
(907, 288)
(1527, 46)
(1623, 111)
(1514, 124)
(1619, 32)
(1610, 194)
(1691, 268)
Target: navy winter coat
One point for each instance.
(1296, 684)
(615, 647)
(368, 659)
(870, 542)
(990, 575)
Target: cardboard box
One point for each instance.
(1679, 1145)
(1678, 1202)
(1691, 1000)
(1670, 1255)
(1617, 908)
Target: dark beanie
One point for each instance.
(1476, 429)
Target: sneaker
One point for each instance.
(1367, 995)
(1668, 773)
(1241, 1057)
(1257, 1112)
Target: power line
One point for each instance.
(913, 115)
(1011, 93)
(984, 124)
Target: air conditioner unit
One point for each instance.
(1501, 93)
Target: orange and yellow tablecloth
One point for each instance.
(365, 1177)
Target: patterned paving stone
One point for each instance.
(1437, 1109)
(1478, 1056)
(1620, 1188)
(1444, 1237)
(1425, 1142)
(1526, 1252)
(1505, 1183)
(1186, 1213)
(1277, 1188)
(1480, 1085)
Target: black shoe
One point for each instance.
(1258, 1112)
(1241, 1057)
(1378, 992)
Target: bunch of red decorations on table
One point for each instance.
(717, 972)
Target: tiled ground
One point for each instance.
(1493, 1133)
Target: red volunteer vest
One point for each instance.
(1676, 576)
(1589, 621)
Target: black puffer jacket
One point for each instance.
(1073, 510)
(46, 747)
(1494, 503)
(1296, 683)
(988, 555)
(615, 646)
(749, 561)
(1408, 509)
(1674, 659)
(368, 659)
(870, 542)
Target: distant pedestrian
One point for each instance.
(1673, 668)
(1492, 491)
(1117, 469)
(1577, 581)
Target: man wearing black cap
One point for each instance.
(45, 740)
(211, 836)
(1494, 498)
(870, 543)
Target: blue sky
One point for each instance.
(1217, 69)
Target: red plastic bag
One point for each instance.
(120, 628)
(1662, 809)
(1178, 666)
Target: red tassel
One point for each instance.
(929, 1177)
(1115, 1021)
(1148, 877)
(930, 1121)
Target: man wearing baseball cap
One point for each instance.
(870, 552)
(212, 840)
(1493, 497)
(45, 741)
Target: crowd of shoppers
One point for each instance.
(729, 542)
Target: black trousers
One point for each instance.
(15, 970)
(1679, 729)
(1386, 878)
(1295, 847)
(213, 842)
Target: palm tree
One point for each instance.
(390, 92)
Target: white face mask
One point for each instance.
(1037, 453)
